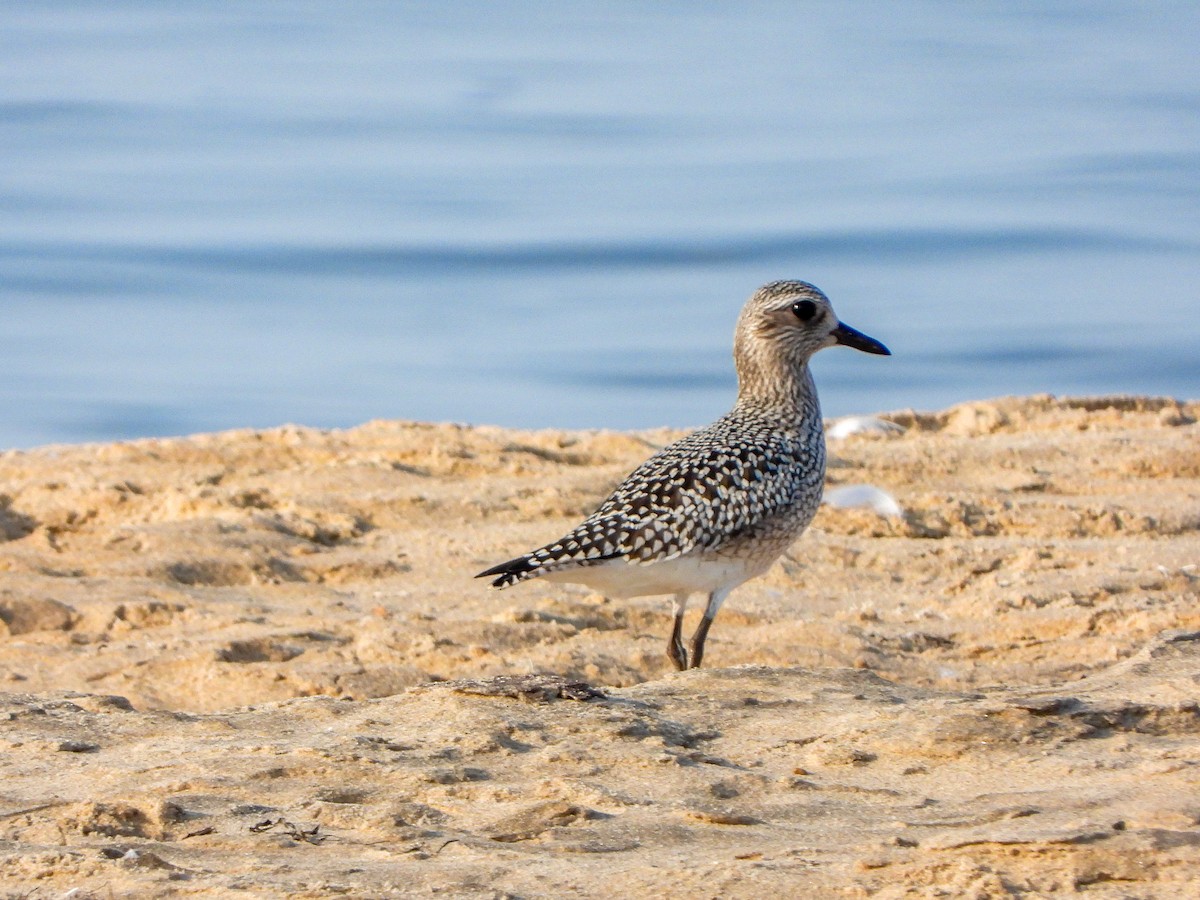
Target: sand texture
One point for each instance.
(256, 664)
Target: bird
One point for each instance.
(717, 507)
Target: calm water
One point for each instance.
(244, 214)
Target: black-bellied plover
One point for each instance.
(720, 505)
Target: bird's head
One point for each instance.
(797, 316)
(785, 323)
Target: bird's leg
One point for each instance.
(715, 599)
(675, 650)
(698, 641)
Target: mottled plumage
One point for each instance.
(720, 505)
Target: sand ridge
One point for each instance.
(257, 662)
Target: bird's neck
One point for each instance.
(777, 387)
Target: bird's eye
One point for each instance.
(804, 310)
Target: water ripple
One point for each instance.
(903, 244)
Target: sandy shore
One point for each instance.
(256, 664)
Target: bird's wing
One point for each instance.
(703, 489)
(693, 494)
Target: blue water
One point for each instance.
(218, 215)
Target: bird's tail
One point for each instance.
(513, 571)
(550, 558)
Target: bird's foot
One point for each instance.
(698, 640)
(677, 654)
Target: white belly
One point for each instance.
(689, 574)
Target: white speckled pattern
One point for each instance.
(720, 505)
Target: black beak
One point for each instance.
(852, 337)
